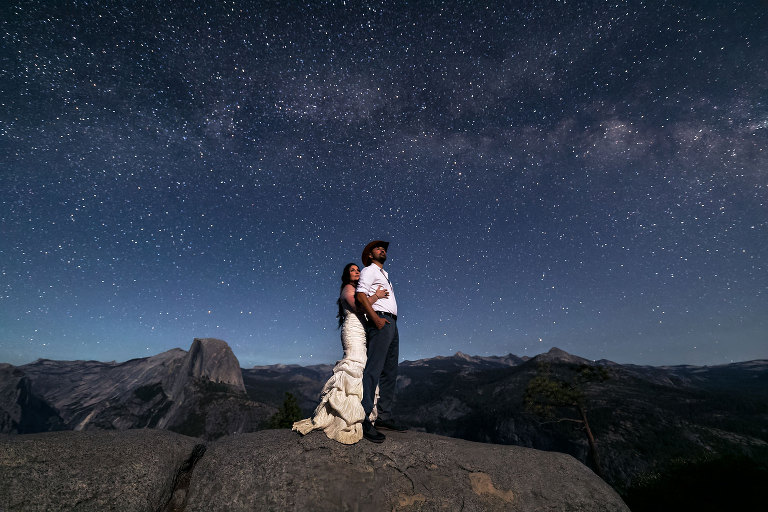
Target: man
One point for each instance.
(383, 341)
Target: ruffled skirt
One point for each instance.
(340, 412)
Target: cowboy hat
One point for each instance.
(371, 246)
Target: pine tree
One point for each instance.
(288, 413)
(546, 395)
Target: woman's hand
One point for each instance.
(381, 293)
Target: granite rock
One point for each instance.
(208, 359)
(278, 470)
(133, 470)
(142, 470)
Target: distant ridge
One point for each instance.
(507, 360)
(287, 367)
(560, 356)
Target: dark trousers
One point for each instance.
(381, 367)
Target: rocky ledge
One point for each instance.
(156, 470)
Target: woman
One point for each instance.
(340, 413)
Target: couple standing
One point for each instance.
(368, 321)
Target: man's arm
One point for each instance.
(365, 305)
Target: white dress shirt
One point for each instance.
(371, 277)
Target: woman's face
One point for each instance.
(354, 273)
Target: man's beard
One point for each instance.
(380, 259)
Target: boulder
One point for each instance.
(133, 470)
(278, 470)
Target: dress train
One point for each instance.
(340, 411)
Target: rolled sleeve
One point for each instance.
(365, 284)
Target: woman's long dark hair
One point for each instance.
(345, 280)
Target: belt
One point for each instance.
(383, 314)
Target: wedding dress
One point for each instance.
(340, 412)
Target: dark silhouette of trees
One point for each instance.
(687, 484)
(549, 396)
(288, 413)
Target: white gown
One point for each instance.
(340, 412)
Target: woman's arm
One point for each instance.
(348, 294)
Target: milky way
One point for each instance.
(586, 175)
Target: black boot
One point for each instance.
(371, 434)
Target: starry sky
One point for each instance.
(588, 175)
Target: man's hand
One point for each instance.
(379, 322)
(365, 304)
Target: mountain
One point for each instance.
(270, 383)
(211, 359)
(199, 393)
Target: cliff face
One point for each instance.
(206, 394)
(278, 470)
(212, 360)
(21, 410)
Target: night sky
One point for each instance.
(588, 175)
